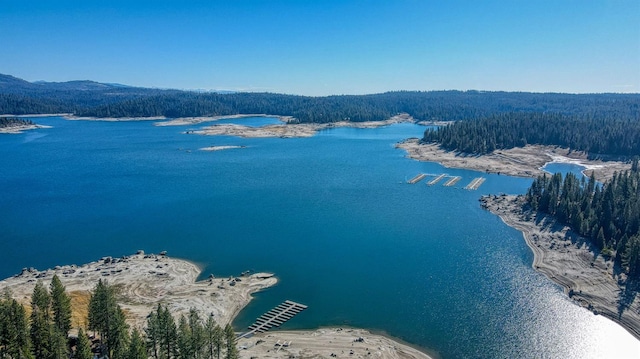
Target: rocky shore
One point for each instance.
(570, 261)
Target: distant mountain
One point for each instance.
(11, 84)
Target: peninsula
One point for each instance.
(145, 280)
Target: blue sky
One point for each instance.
(327, 47)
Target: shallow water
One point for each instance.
(331, 215)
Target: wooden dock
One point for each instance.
(274, 318)
(436, 180)
(417, 178)
(452, 181)
(475, 184)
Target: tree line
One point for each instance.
(86, 98)
(44, 333)
(608, 215)
(607, 135)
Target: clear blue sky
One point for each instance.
(327, 47)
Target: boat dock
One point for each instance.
(417, 178)
(475, 184)
(436, 180)
(453, 180)
(274, 318)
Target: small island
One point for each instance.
(17, 125)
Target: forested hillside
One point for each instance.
(87, 98)
(608, 215)
(608, 134)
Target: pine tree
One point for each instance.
(61, 305)
(230, 343)
(14, 329)
(213, 338)
(137, 348)
(83, 348)
(40, 331)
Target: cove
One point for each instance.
(331, 215)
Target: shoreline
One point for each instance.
(14, 130)
(569, 261)
(145, 280)
(525, 161)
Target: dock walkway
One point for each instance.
(436, 180)
(475, 184)
(274, 318)
(417, 178)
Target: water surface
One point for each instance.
(331, 215)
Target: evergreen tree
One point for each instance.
(61, 305)
(213, 338)
(14, 329)
(137, 348)
(83, 347)
(41, 330)
(230, 343)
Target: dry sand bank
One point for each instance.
(21, 129)
(522, 162)
(143, 281)
(291, 130)
(326, 343)
(567, 259)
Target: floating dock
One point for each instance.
(452, 181)
(417, 178)
(436, 180)
(475, 184)
(274, 318)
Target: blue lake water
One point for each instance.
(331, 215)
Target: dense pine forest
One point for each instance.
(44, 333)
(608, 214)
(87, 98)
(605, 135)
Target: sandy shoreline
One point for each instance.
(520, 162)
(568, 260)
(144, 281)
(20, 129)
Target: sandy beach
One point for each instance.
(569, 260)
(145, 280)
(521, 162)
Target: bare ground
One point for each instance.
(569, 260)
(326, 343)
(144, 281)
(521, 162)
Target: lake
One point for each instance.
(332, 216)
